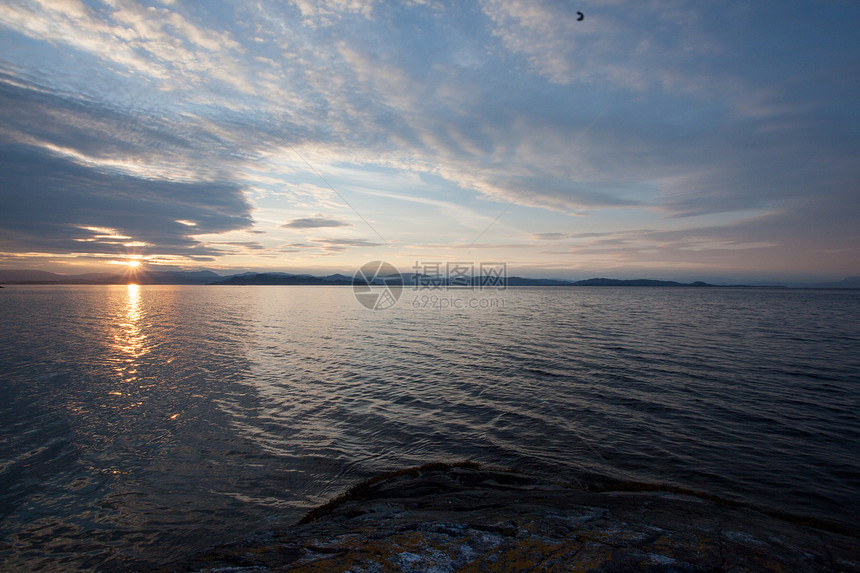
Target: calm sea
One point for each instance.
(141, 424)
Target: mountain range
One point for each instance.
(10, 277)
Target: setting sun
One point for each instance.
(132, 264)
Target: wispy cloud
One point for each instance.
(326, 12)
(314, 223)
(550, 236)
(54, 205)
(348, 243)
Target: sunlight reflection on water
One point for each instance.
(129, 338)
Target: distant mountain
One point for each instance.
(850, 282)
(152, 277)
(13, 276)
(638, 283)
(173, 277)
(143, 277)
(95, 277)
(278, 279)
(412, 279)
(338, 277)
(520, 281)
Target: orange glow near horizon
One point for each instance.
(132, 266)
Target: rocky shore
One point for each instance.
(465, 518)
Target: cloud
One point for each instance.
(314, 223)
(327, 12)
(54, 205)
(550, 236)
(348, 243)
(74, 169)
(157, 42)
(243, 245)
(795, 240)
(366, 100)
(630, 45)
(547, 34)
(92, 133)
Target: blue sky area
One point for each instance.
(664, 139)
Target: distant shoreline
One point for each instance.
(27, 277)
(445, 287)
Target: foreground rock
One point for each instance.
(443, 518)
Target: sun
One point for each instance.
(133, 267)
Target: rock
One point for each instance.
(444, 518)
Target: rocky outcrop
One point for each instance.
(464, 518)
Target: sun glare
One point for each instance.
(132, 269)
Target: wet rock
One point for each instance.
(464, 518)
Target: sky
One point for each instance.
(569, 139)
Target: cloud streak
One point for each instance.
(314, 223)
(55, 205)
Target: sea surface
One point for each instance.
(139, 424)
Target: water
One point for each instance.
(141, 424)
